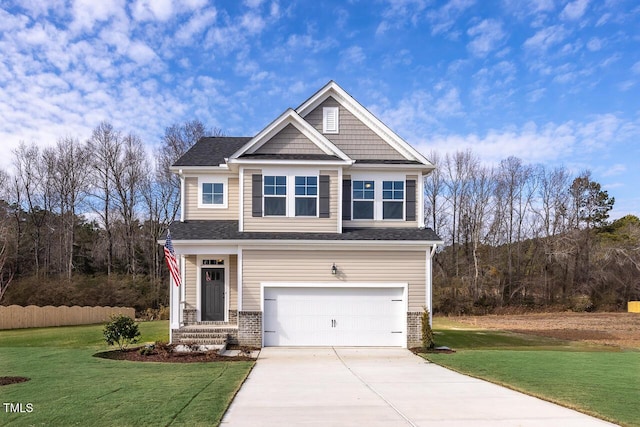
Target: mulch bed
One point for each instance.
(134, 355)
(12, 380)
(419, 350)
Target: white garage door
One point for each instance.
(301, 316)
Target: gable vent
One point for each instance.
(330, 119)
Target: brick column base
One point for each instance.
(414, 329)
(250, 328)
(189, 316)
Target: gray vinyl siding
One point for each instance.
(289, 141)
(191, 284)
(295, 224)
(191, 210)
(355, 139)
(363, 223)
(315, 266)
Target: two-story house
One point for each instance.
(310, 233)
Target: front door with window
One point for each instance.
(212, 294)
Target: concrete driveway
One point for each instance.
(379, 387)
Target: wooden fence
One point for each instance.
(15, 316)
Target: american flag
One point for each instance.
(172, 262)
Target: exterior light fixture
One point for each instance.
(334, 269)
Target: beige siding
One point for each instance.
(289, 141)
(355, 139)
(320, 225)
(315, 266)
(191, 210)
(191, 281)
(233, 282)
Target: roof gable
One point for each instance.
(289, 141)
(332, 90)
(291, 121)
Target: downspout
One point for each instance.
(182, 189)
(429, 285)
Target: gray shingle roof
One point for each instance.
(290, 157)
(211, 151)
(228, 230)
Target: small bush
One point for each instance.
(427, 333)
(122, 330)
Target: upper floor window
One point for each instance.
(212, 193)
(275, 195)
(306, 195)
(363, 198)
(392, 199)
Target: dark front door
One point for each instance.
(212, 294)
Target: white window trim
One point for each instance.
(291, 174)
(273, 196)
(326, 113)
(317, 196)
(404, 200)
(212, 179)
(378, 179)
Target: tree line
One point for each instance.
(527, 235)
(79, 221)
(79, 224)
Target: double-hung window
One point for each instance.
(212, 193)
(275, 195)
(392, 199)
(363, 199)
(306, 195)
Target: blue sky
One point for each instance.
(553, 82)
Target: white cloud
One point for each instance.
(486, 36)
(87, 12)
(147, 10)
(546, 38)
(195, 26)
(443, 19)
(615, 169)
(351, 56)
(594, 44)
(574, 10)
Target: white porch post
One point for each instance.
(239, 278)
(429, 282)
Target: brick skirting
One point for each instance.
(414, 329)
(250, 328)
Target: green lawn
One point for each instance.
(70, 387)
(598, 380)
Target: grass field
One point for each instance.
(600, 380)
(69, 386)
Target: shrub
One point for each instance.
(427, 333)
(122, 330)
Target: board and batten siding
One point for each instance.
(315, 266)
(354, 138)
(192, 211)
(289, 141)
(291, 223)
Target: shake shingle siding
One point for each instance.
(354, 138)
(289, 141)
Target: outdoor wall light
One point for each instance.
(334, 269)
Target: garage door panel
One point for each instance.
(300, 316)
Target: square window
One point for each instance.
(306, 206)
(212, 193)
(392, 210)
